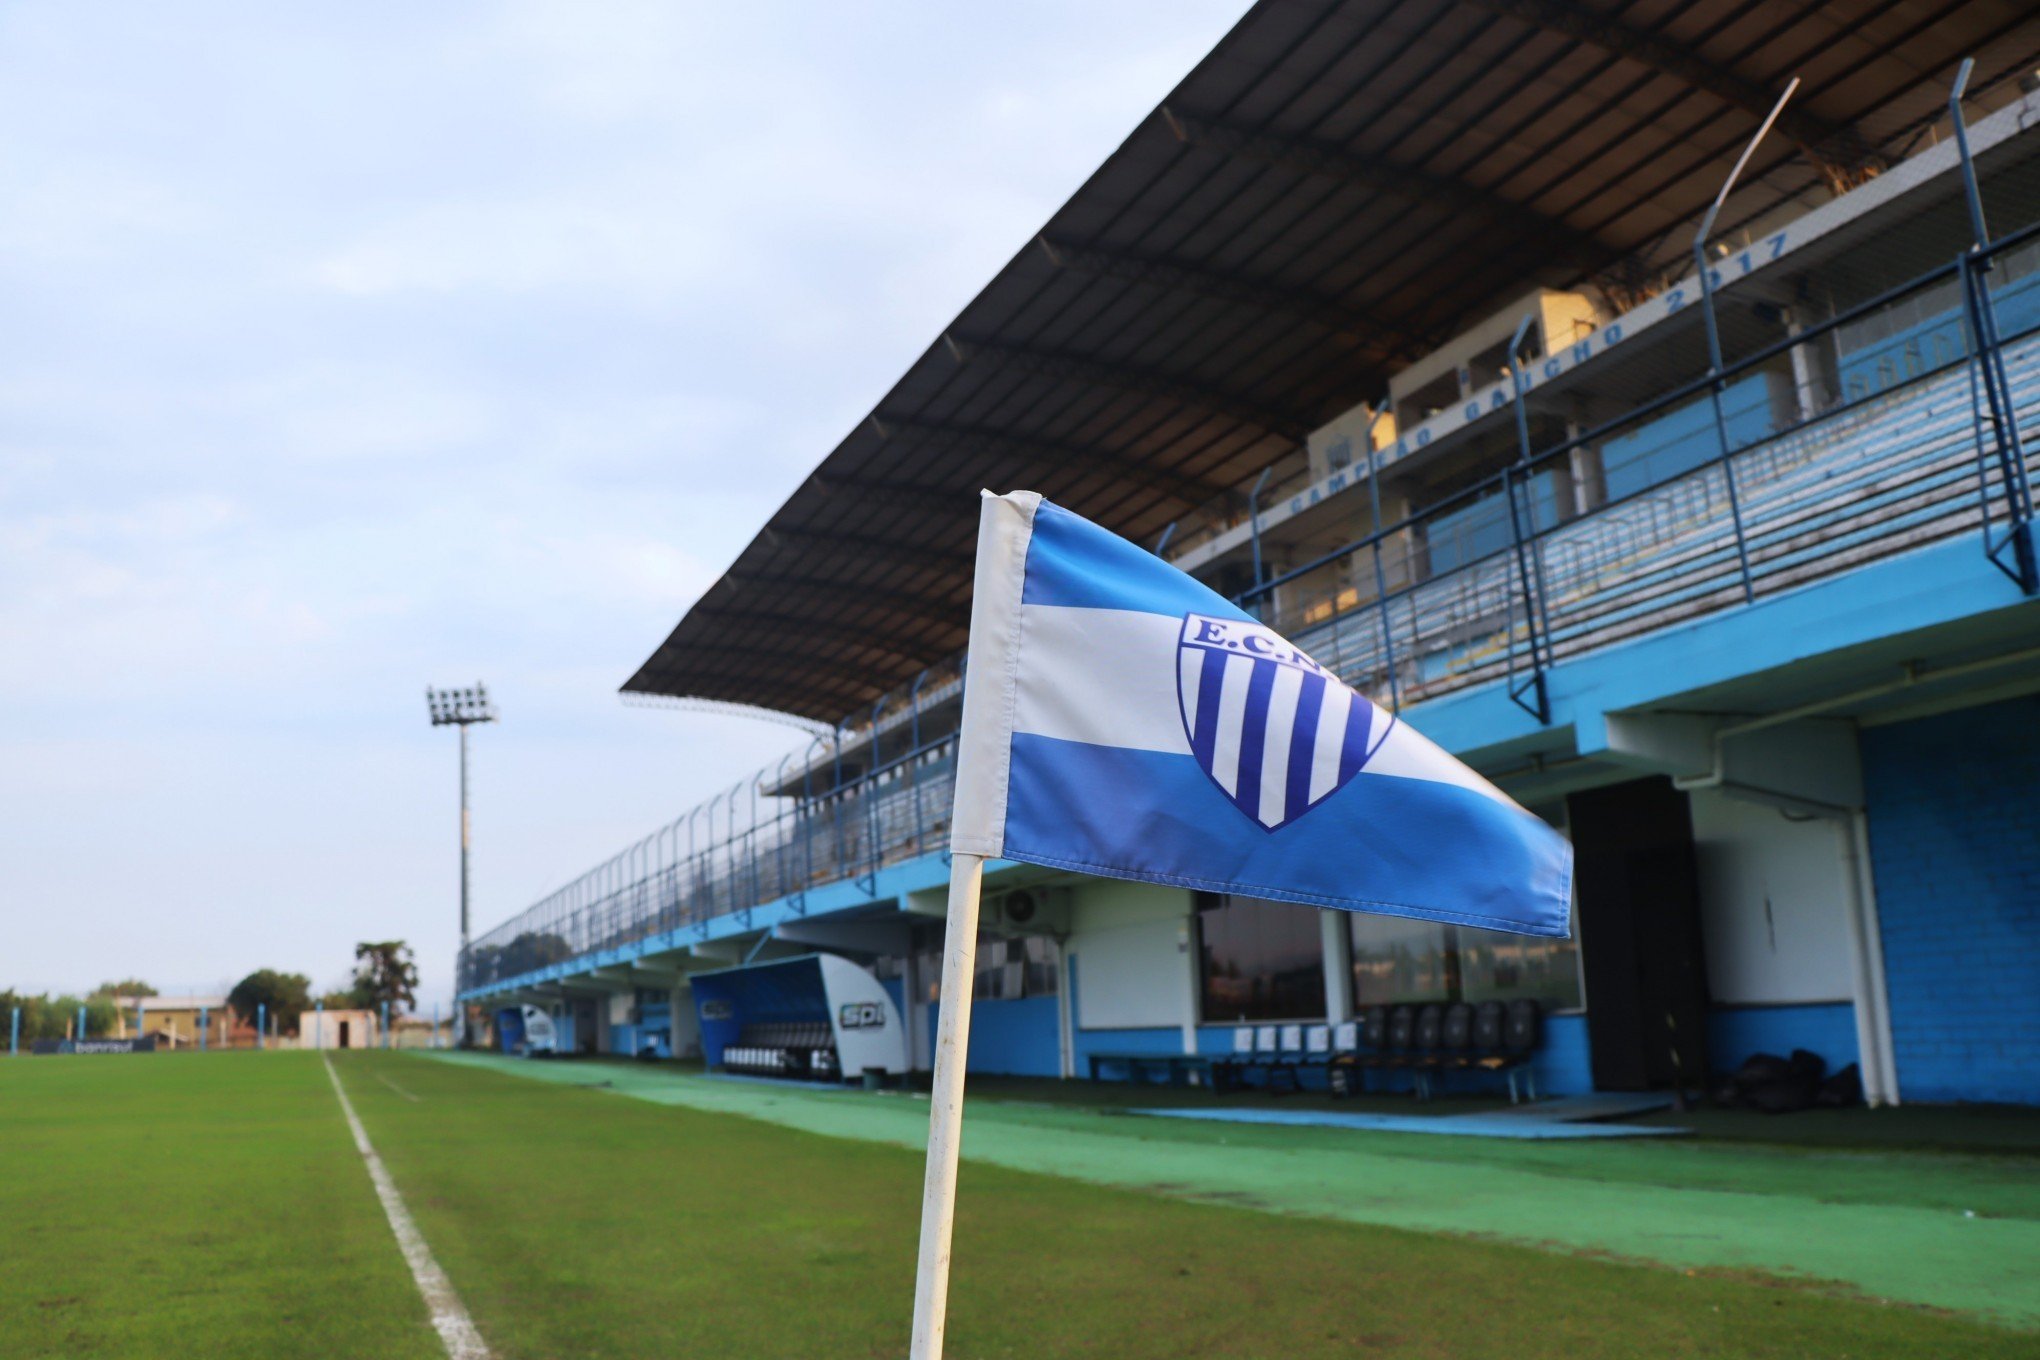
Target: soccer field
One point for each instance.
(216, 1205)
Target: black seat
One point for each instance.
(1373, 1037)
(1489, 1020)
(1457, 1043)
(1521, 1028)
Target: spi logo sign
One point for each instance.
(861, 1015)
(717, 1008)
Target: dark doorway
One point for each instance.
(1639, 907)
(345, 1027)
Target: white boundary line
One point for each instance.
(456, 1329)
(394, 1087)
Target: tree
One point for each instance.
(131, 987)
(384, 972)
(287, 995)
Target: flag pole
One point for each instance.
(945, 1114)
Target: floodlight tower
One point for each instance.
(461, 708)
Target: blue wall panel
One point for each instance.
(1684, 438)
(1954, 803)
(1736, 1032)
(1160, 1039)
(1014, 1038)
(1562, 1065)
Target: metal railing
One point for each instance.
(1909, 435)
(1907, 446)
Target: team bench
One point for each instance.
(1425, 1043)
(784, 1050)
(1177, 1069)
(1432, 1042)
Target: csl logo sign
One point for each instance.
(861, 1015)
(717, 1009)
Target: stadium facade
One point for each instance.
(1388, 324)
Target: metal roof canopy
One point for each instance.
(1337, 187)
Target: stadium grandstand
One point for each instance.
(1388, 324)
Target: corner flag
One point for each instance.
(1120, 719)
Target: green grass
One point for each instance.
(183, 1205)
(212, 1205)
(1943, 1230)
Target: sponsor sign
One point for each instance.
(861, 1015)
(145, 1044)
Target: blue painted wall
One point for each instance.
(1161, 1039)
(1684, 438)
(1734, 1033)
(1012, 1038)
(1941, 339)
(1954, 808)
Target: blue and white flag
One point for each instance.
(1121, 719)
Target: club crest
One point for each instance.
(1277, 732)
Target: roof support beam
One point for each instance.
(1356, 330)
(1188, 491)
(1091, 372)
(922, 608)
(1837, 149)
(794, 651)
(819, 630)
(885, 551)
(933, 500)
(1327, 160)
(816, 675)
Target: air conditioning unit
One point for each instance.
(1033, 910)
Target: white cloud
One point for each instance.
(357, 348)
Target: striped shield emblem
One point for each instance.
(1276, 732)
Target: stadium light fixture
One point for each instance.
(461, 708)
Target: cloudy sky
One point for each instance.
(351, 348)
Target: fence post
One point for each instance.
(1380, 573)
(874, 826)
(1528, 565)
(1539, 706)
(1990, 360)
(1714, 361)
(914, 738)
(1254, 518)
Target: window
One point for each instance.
(1397, 961)
(1259, 960)
(1007, 970)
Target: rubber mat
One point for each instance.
(1452, 1125)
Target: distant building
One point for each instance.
(177, 1021)
(339, 1029)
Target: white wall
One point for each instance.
(1128, 941)
(1773, 903)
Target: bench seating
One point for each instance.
(1176, 1069)
(1431, 1041)
(804, 1049)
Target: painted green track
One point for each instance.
(1943, 1230)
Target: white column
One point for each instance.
(1338, 942)
(1866, 947)
(1065, 1032)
